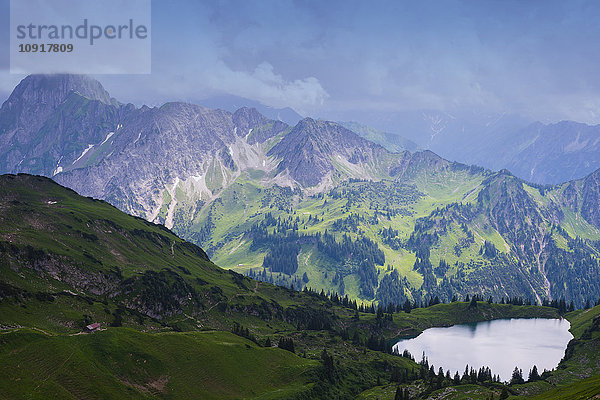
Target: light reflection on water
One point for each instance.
(499, 344)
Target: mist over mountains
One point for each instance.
(253, 191)
(537, 152)
(294, 189)
(232, 103)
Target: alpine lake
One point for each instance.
(501, 345)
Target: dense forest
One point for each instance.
(283, 243)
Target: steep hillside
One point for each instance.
(446, 229)
(583, 196)
(67, 261)
(523, 239)
(556, 153)
(57, 245)
(316, 205)
(314, 150)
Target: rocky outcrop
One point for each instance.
(590, 207)
(51, 116)
(312, 149)
(157, 147)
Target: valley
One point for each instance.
(332, 246)
(250, 190)
(174, 324)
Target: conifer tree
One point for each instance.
(399, 394)
(473, 303)
(407, 306)
(534, 375)
(517, 377)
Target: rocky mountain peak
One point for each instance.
(313, 148)
(51, 90)
(38, 127)
(248, 121)
(37, 96)
(246, 118)
(322, 129)
(326, 133)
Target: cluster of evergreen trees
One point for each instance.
(442, 268)
(348, 224)
(162, 291)
(390, 236)
(282, 256)
(518, 379)
(328, 366)
(436, 380)
(488, 250)
(286, 344)
(574, 273)
(383, 196)
(284, 245)
(562, 307)
(359, 249)
(391, 289)
(243, 332)
(277, 278)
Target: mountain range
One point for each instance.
(313, 204)
(168, 323)
(363, 237)
(536, 152)
(233, 103)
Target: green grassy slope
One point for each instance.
(449, 212)
(121, 362)
(381, 205)
(66, 261)
(584, 389)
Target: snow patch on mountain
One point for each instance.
(90, 146)
(171, 209)
(107, 137)
(58, 168)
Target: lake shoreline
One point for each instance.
(499, 344)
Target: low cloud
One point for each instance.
(193, 82)
(268, 87)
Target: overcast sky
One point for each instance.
(336, 59)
